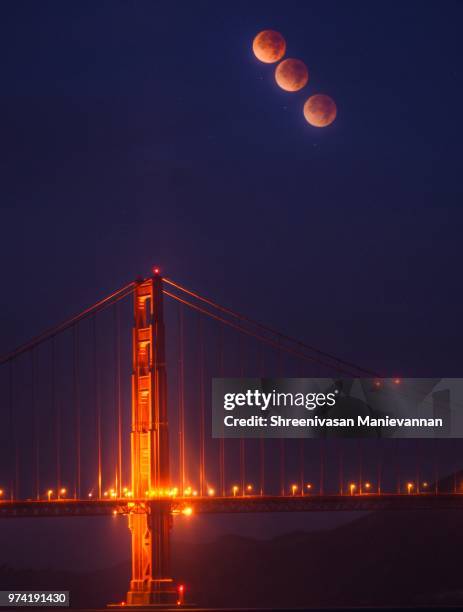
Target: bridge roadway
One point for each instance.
(238, 504)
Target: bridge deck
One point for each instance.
(223, 505)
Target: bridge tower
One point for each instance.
(149, 523)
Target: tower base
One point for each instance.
(160, 593)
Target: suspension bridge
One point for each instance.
(109, 413)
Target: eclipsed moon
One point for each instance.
(320, 110)
(269, 46)
(291, 74)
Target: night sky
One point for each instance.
(141, 133)
(136, 133)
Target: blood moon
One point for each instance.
(269, 46)
(291, 74)
(320, 110)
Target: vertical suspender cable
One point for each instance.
(379, 465)
(455, 454)
(397, 463)
(360, 465)
(242, 444)
(341, 466)
(181, 402)
(201, 409)
(417, 465)
(322, 466)
(301, 447)
(282, 440)
(119, 399)
(301, 465)
(262, 439)
(36, 446)
(75, 386)
(97, 404)
(222, 439)
(56, 410)
(12, 436)
(117, 402)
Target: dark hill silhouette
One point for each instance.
(382, 558)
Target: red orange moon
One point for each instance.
(269, 46)
(291, 75)
(320, 110)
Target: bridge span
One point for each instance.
(233, 505)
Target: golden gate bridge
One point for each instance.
(107, 413)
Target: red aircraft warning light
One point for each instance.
(181, 594)
(156, 271)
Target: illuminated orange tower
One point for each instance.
(150, 521)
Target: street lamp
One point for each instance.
(49, 494)
(409, 487)
(234, 490)
(294, 488)
(352, 488)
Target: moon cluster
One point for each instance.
(292, 75)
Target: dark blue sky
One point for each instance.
(135, 133)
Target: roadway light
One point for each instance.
(409, 487)
(187, 491)
(235, 489)
(1, 492)
(425, 485)
(211, 491)
(367, 485)
(308, 486)
(49, 494)
(188, 511)
(249, 488)
(352, 487)
(90, 494)
(294, 488)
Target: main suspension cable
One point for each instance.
(53, 331)
(267, 328)
(251, 333)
